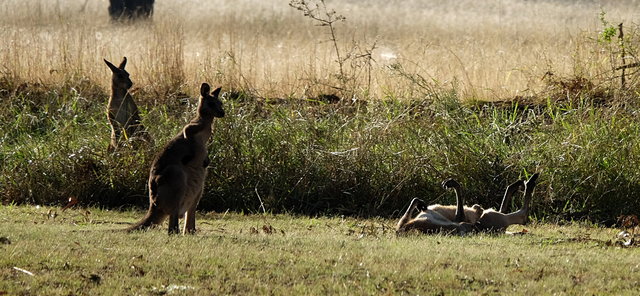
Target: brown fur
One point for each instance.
(508, 195)
(437, 218)
(498, 221)
(427, 221)
(472, 214)
(122, 111)
(177, 176)
(430, 220)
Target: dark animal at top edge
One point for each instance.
(130, 9)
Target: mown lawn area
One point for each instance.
(77, 252)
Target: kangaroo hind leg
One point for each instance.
(171, 189)
(190, 219)
(174, 227)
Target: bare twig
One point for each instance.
(360, 59)
(622, 55)
(264, 211)
(325, 18)
(23, 271)
(633, 65)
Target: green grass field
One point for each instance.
(482, 91)
(76, 252)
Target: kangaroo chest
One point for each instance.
(123, 110)
(196, 173)
(195, 166)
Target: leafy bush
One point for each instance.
(357, 158)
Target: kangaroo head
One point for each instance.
(120, 77)
(210, 104)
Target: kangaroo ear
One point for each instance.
(123, 63)
(216, 92)
(204, 89)
(113, 68)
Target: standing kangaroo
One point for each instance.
(122, 111)
(178, 172)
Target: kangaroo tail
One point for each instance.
(153, 217)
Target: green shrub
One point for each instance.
(357, 158)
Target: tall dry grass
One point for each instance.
(486, 49)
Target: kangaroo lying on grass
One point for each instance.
(430, 220)
(471, 214)
(436, 218)
(177, 175)
(122, 111)
(497, 221)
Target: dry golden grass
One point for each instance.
(487, 49)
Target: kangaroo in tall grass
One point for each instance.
(432, 221)
(122, 111)
(178, 172)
